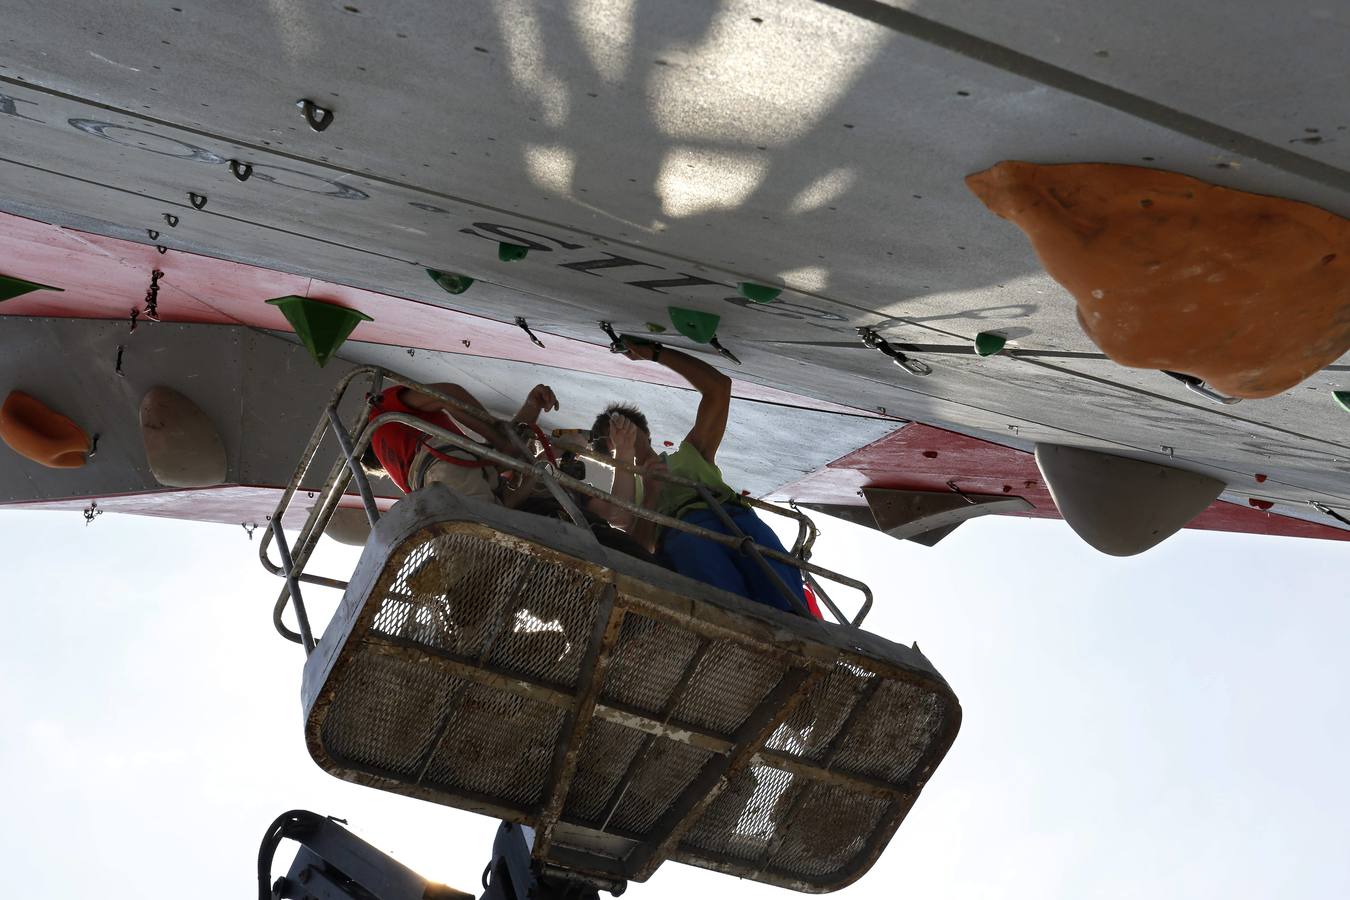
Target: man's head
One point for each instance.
(600, 429)
(371, 463)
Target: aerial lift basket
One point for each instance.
(509, 665)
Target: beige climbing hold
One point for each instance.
(1247, 292)
(182, 446)
(348, 526)
(40, 434)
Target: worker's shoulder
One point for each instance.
(689, 462)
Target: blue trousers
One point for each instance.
(723, 567)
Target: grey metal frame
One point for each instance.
(352, 443)
(808, 651)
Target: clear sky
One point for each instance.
(1168, 726)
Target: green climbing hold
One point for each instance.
(656, 328)
(511, 252)
(13, 287)
(321, 327)
(758, 293)
(1343, 398)
(451, 282)
(987, 343)
(699, 327)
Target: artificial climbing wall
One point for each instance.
(263, 394)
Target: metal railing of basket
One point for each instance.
(354, 440)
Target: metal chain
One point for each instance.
(151, 299)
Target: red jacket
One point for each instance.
(395, 444)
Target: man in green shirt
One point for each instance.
(696, 460)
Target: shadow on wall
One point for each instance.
(764, 132)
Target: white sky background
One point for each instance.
(1173, 725)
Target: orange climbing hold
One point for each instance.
(1248, 292)
(43, 435)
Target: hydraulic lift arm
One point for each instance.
(334, 864)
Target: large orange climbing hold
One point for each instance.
(41, 434)
(1248, 292)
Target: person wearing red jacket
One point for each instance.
(413, 459)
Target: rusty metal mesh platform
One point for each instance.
(508, 665)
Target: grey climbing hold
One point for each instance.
(348, 526)
(1122, 506)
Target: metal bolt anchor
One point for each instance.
(1198, 386)
(525, 326)
(874, 341)
(717, 345)
(616, 345)
(316, 116)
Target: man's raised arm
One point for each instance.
(712, 385)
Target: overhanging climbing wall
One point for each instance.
(261, 392)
